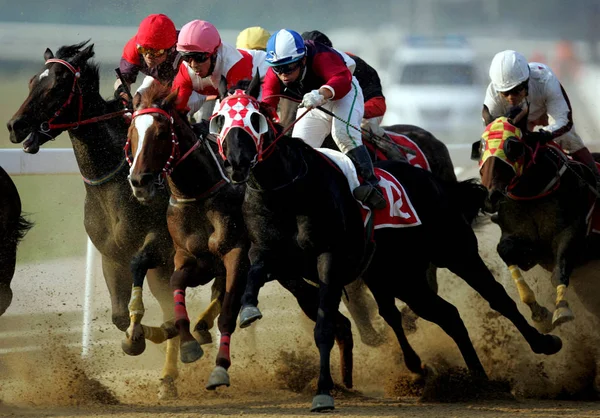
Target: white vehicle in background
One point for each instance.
(434, 83)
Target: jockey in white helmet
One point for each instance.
(514, 80)
(319, 75)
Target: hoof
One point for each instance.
(167, 390)
(170, 329)
(562, 315)
(248, 315)
(133, 348)
(202, 334)
(190, 351)
(372, 338)
(218, 377)
(322, 403)
(551, 345)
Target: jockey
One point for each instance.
(370, 84)
(254, 37)
(515, 80)
(206, 61)
(321, 75)
(152, 52)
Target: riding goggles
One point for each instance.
(516, 90)
(198, 57)
(150, 51)
(287, 68)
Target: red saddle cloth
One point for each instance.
(418, 159)
(399, 211)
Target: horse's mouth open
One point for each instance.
(32, 144)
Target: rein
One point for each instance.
(47, 126)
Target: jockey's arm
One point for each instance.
(338, 78)
(183, 82)
(558, 107)
(492, 104)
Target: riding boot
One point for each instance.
(367, 192)
(585, 156)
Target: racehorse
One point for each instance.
(205, 221)
(131, 237)
(304, 223)
(544, 203)
(13, 227)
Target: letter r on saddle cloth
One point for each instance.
(399, 211)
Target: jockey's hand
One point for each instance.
(121, 94)
(313, 99)
(540, 137)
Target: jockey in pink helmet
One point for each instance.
(207, 60)
(152, 52)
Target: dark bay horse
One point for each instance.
(205, 221)
(131, 237)
(13, 227)
(543, 202)
(304, 223)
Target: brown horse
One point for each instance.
(13, 227)
(132, 238)
(543, 202)
(205, 221)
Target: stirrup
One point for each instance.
(370, 196)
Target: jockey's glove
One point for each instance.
(540, 137)
(313, 99)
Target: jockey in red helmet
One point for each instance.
(152, 52)
(206, 61)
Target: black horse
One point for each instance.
(304, 223)
(543, 202)
(13, 227)
(131, 237)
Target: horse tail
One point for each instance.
(468, 196)
(19, 229)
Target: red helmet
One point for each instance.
(156, 32)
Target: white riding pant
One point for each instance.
(570, 142)
(316, 125)
(373, 125)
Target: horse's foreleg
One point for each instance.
(185, 268)
(206, 320)
(118, 281)
(362, 308)
(538, 313)
(257, 277)
(330, 293)
(8, 259)
(236, 265)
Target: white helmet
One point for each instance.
(508, 70)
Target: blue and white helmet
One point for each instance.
(284, 47)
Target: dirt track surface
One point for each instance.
(42, 372)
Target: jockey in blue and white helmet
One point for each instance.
(319, 75)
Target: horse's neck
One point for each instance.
(198, 172)
(98, 146)
(286, 164)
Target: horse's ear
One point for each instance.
(476, 151)
(222, 88)
(84, 55)
(48, 55)
(486, 116)
(513, 148)
(169, 101)
(137, 98)
(254, 87)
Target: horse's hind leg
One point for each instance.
(158, 281)
(362, 308)
(206, 320)
(390, 313)
(308, 299)
(561, 274)
(471, 268)
(431, 307)
(236, 265)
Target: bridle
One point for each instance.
(173, 160)
(47, 126)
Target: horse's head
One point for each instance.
(151, 140)
(55, 96)
(242, 130)
(501, 155)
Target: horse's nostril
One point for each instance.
(141, 180)
(16, 125)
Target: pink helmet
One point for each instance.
(198, 36)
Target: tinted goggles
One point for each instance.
(287, 68)
(515, 91)
(198, 57)
(150, 51)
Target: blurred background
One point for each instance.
(432, 56)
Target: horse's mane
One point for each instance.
(90, 70)
(156, 93)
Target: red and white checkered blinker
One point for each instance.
(238, 111)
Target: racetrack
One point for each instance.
(42, 373)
